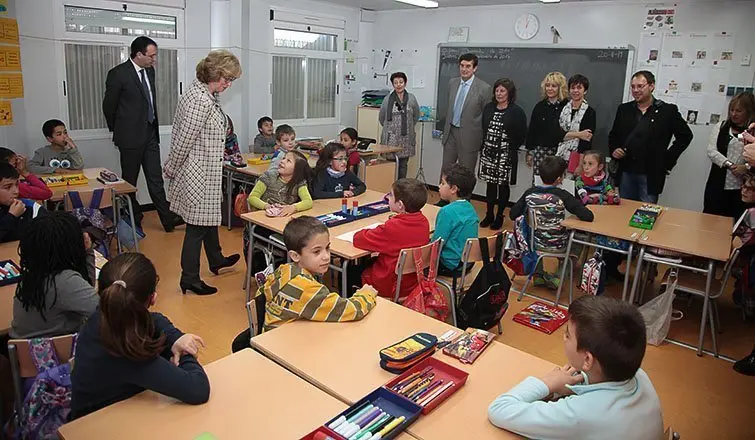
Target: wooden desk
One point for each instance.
(697, 220)
(251, 397)
(8, 251)
(338, 247)
(92, 174)
(342, 359)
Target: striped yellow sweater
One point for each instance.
(292, 293)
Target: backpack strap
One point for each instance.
(484, 250)
(75, 198)
(499, 247)
(96, 198)
(43, 354)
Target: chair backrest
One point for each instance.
(406, 265)
(108, 198)
(472, 253)
(727, 271)
(22, 365)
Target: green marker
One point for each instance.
(205, 436)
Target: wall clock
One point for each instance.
(527, 26)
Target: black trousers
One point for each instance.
(192, 250)
(727, 203)
(148, 158)
(497, 194)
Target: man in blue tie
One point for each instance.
(467, 96)
(130, 109)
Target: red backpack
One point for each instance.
(426, 298)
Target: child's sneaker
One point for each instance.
(551, 281)
(538, 280)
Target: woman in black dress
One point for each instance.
(545, 132)
(504, 127)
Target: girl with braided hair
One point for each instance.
(56, 293)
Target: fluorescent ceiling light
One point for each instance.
(147, 20)
(420, 3)
(550, 1)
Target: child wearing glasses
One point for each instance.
(333, 179)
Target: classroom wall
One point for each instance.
(585, 24)
(13, 135)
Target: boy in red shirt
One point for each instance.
(29, 185)
(409, 228)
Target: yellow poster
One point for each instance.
(10, 58)
(11, 86)
(6, 113)
(8, 30)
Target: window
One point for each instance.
(86, 70)
(97, 37)
(305, 66)
(104, 21)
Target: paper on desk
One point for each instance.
(349, 236)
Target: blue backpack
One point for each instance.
(519, 255)
(48, 402)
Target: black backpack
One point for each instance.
(486, 300)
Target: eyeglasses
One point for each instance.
(341, 159)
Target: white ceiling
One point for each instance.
(385, 5)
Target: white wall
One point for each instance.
(589, 24)
(12, 136)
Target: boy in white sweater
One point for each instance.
(601, 393)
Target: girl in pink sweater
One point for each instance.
(29, 185)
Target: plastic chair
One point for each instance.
(694, 284)
(22, 366)
(405, 266)
(108, 200)
(532, 220)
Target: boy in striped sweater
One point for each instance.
(292, 292)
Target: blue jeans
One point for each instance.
(635, 187)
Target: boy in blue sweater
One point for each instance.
(601, 393)
(457, 221)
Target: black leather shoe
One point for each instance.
(746, 366)
(486, 221)
(229, 261)
(200, 288)
(497, 223)
(171, 225)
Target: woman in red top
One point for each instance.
(29, 186)
(409, 228)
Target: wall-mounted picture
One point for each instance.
(677, 54)
(673, 86)
(701, 54)
(653, 56)
(722, 88)
(692, 117)
(696, 87)
(714, 118)
(727, 55)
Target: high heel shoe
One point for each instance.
(200, 288)
(228, 262)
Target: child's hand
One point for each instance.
(287, 210)
(557, 379)
(368, 288)
(186, 344)
(87, 241)
(348, 194)
(69, 143)
(20, 165)
(17, 208)
(272, 210)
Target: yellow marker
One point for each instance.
(390, 427)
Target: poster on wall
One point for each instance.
(660, 18)
(11, 86)
(6, 113)
(8, 31)
(649, 51)
(10, 58)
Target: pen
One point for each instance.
(379, 420)
(355, 413)
(356, 427)
(347, 428)
(371, 432)
(438, 392)
(388, 428)
(428, 389)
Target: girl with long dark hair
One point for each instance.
(332, 177)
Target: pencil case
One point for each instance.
(10, 273)
(404, 354)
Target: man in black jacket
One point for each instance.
(130, 109)
(640, 138)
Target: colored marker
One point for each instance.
(429, 389)
(435, 394)
(375, 429)
(351, 424)
(343, 419)
(378, 420)
(9, 267)
(357, 426)
(388, 428)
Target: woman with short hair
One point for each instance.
(195, 167)
(577, 122)
(544, 132)
(399, 114)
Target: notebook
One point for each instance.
(349, 236)
(542, 316)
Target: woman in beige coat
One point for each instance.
(195, 167)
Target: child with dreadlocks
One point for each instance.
(56, 293)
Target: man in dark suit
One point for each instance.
(130, 108)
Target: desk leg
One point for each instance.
(344, 277)
(704, 320)
(247, 279)
(363, 171)
(637, 273)
(563, 269)
(626, 273)
(133, 222)
(229, 196)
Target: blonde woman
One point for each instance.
(545, 132)
(195, 167)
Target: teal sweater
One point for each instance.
(455, 223)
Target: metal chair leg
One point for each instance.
(529, 277)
